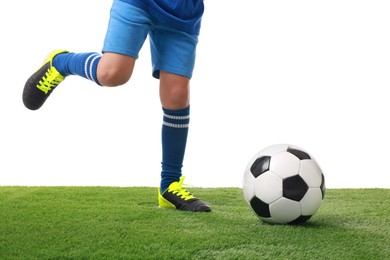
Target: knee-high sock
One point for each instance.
(174, 141)
(81, 64)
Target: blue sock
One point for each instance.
(82, 64)
(174, 140)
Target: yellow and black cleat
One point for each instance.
(40, 85)
(177, 197)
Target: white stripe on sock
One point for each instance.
(86, 65)
(175, 125)
(176, 117)
(90, 67)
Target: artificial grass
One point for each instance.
(125, 223)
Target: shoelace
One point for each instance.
(177, 188)
(49, 81)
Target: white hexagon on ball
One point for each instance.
(285, 210)
(268, 187)
(311, 173)
(311, 202)
(285, 164)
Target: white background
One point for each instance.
(314, 74)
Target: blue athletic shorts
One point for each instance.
(172, 50)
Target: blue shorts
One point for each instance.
(172, 50)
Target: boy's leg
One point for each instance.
(124, 39)
(111, 69)
(173, 60)
(175, 95)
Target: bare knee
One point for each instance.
(112, 77)
(174, 91)
(115, 69)
(178, 96)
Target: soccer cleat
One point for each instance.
(42, 83)
(176, 196)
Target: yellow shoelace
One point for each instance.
(177, 188)
(51, 80)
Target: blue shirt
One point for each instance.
(184, 15)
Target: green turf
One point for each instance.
(125, 223)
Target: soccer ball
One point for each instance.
(283, 185)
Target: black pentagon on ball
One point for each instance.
(299, 220)
(260, 166)
(323, 186)
(294, 188)
(260, 207)
(298, 153)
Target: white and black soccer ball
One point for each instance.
(283, 184)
